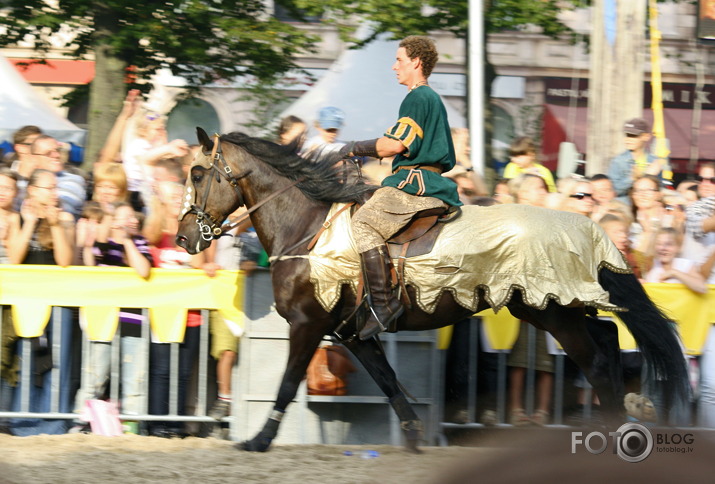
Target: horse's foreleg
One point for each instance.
(372, 357)
(304, 339)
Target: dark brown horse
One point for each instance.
(290, 198)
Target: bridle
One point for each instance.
(209, 226)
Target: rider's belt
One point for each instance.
(433, 167)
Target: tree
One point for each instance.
(202, 41)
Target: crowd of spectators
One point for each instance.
(124, 213)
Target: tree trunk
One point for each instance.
(107, 90)
(616, 81)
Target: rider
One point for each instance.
(421, 144)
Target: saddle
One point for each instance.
(417, 238)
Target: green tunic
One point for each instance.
(423, 129)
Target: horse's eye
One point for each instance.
(196, 178)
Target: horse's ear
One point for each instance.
(204, 139)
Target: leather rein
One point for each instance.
(210, 227)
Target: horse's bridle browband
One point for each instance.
(213, 229)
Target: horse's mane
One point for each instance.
(322, 179)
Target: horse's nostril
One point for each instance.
(181, 240)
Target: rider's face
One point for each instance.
(405, 68)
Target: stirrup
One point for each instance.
(357, 317)
(380, 327)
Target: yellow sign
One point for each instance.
(99, 291)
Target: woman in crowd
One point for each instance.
(668, 267)
(160, 230)
(9, 362)
(44, 234)
(647, 211)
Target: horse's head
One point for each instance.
(211, 194)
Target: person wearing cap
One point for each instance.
(636, 161)
(421, 143)
(330, 121)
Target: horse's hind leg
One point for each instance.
(593, 346)
(372, 357)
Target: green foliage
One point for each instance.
(200, 40)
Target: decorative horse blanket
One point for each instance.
(547, 254)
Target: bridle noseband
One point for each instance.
(209, 227)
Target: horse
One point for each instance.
(288, 198)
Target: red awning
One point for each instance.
(564, 123)
(56, 71)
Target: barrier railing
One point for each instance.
(33, 293)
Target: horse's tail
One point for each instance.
(655, 334)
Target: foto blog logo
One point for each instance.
(632, 442)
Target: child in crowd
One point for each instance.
(117, 242)
(523, 160)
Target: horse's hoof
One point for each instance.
(252, 446)
(411, 446)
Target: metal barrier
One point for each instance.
(55, 399)
(60, 398)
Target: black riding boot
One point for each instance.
(384, 306)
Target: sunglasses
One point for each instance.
(581, 195)
(673, 207)
(699, 178)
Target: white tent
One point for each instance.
(20, 105)
(362, 84)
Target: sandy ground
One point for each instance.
(87, 458)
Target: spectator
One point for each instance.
(603, 195)
(292, 131)
(118, 244)
(689, 190)
(23, 163)
(238, 249)
(523, 160)
(501, 192)
(700, 217)
(706, 402)
(110, 185)
(648, 211)
(141, 154)
(111, 151)
(466, 188)
(9, 364)
(72, 188)
(667, 267)
(44, 234)
(462, 150)
(330, 121)
(579, 199)
(530, 189)
(617, 230)
(160, 230)
(635, 161)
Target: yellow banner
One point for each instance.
(99, 291)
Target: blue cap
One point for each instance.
(331, 118)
